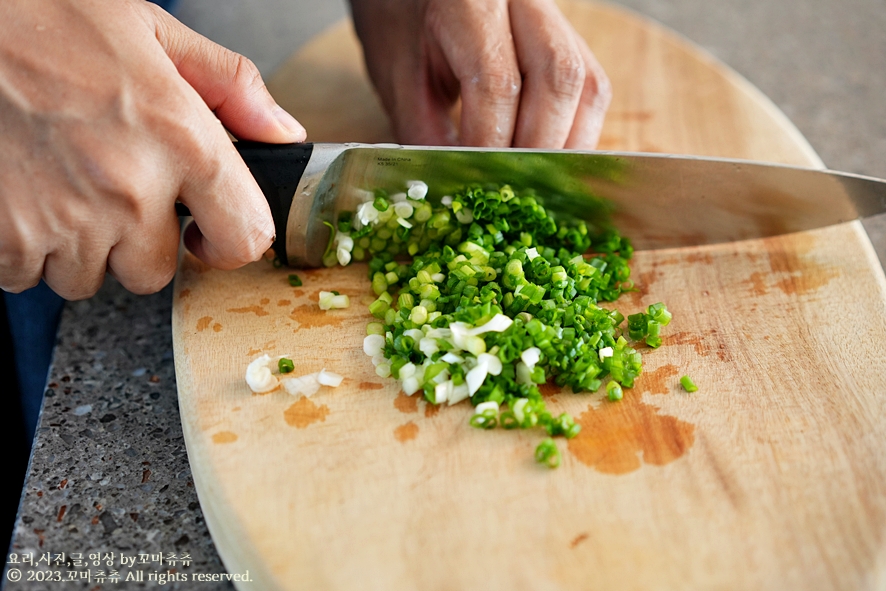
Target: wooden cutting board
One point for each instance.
(771, 476)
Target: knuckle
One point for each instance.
(598, 87)
(499, 83)
(20, 268)
(13, 284)
(83, 290)
(246, 73)
(150, 283)
(566, 74)
(256, 242)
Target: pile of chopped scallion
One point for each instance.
(498, 298)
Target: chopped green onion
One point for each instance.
(614, 391)
(688, 384)
(285, 365)
(498, 297)
(380, 203)
(330, 300)
(547, 453)
(295, 280)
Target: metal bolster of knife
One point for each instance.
(278, 169)
(313, 205)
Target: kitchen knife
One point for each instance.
(657, 200)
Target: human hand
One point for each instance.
(525, 76)
(106, 115)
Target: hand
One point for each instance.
(525, 77)
(106, 115)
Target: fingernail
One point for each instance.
(290, 124)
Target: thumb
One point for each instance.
(228, 82)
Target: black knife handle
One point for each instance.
(277, 169)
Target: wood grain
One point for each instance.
(771, 476)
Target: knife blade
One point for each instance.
(657, 200)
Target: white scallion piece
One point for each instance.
(446, 201)
(453, 358)
(305, 385)
(330, 301)
(532, 253)
(344, 240)
(464, 215)
(367, 214)
(415, 334)
(475, 378)
(343, 255)
(403, 210)
(461, 331)
(407, 371)
(441, 392)
(418, 190)
(259, 377)
(492, 362)
(458, 393)
(605, 352)
(410, 386)
(329, 378)
(374, 344)
(406, 224)
(398, 198)
(484, 406)
(531, 356)
(428, 346)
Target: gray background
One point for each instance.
(823, 62)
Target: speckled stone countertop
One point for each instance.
(109, 472)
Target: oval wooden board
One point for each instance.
(772, 476)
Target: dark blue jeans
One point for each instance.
(33, 323)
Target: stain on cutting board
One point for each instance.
(406, 432)
(406, 404)
(257, 310)
(619, 437)
(659, 381)
(304, 413)
(311, 316)
(224, 437)
(203, 323)
(791, 270)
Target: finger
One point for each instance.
(19, 270)
(553, 74)
(595, 98)
(75, 269)
(21, 247)
(233, 224)
(232, 214)
(229, 83)
(423, 99)
(144, 261)
(476, 42)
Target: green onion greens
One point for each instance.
(487, 295)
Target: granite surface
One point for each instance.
(109, 471)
